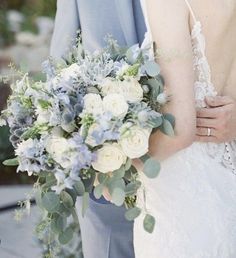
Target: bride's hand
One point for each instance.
(220, 117)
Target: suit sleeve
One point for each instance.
(66, 27)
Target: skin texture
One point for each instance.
(171, 32)
(221, 46)
(220, 117)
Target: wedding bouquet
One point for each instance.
(79, 130)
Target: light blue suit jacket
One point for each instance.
(123, 19)
(105, 231)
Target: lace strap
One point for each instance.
(191, 10)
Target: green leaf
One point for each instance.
(79, 188)
(58, 224)
(132, 187)
(66, 199)
(151, 168)
(130, 54)
(156, 87)
(51, 202)
(63, 211)
(132, 214)
(144, 158)
(102, 178)
(85, 203)
(149, 223)
(152, 68)
(167, 128)
(119, 173)
(156, 122)
(38, 198)
(66, 236)
(118, 196)
(170, 118)
(128, 164)
(89, 183)
(98, 190)
(11, 162)
(114, 183)
(132, 172)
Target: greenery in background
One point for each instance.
(31, 9)
(6, 37)
(6, 150)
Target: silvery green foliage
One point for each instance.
(79, 130)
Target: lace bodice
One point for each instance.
(203, 86)
(224, 153)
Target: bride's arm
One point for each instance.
(65, 29)
(169, 25)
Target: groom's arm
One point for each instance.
(65, 29)
(220, 117)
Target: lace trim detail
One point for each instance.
(224, 153)
(203, 86)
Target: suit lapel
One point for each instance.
(126, 17)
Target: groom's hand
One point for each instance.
(219, 117)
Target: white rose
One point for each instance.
(70, 72)
(123, 69)
(110, 86)
(93, 104)
(43, 115)
(116, 104)
(109, 158)
(57, 147)
(131, 89)
(135, 142)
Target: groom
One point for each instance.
(105, 231)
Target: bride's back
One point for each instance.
(218, 18)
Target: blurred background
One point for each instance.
(26, 28)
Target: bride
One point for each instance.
(194, 197)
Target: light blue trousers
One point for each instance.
(105, 231)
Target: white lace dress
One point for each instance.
(194, 197)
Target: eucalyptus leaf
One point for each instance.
(119, 173)
(66, 199)
(156, 87)
(128, 164)
(89, 183)
(118, 196)
(132, 187)
(98, 190)
(11, 162)
(114, 183)
(102, 178)
(167, 128)
(170, 118)
(132, 214)
(85, 203)
(151, 168)
(58, 224)
(63, 211)
(156, 121)
(38, 198)
(51, 202)
(130, 54)
(66, 236)
(79, 188)
(152, 68)
(149, 223)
